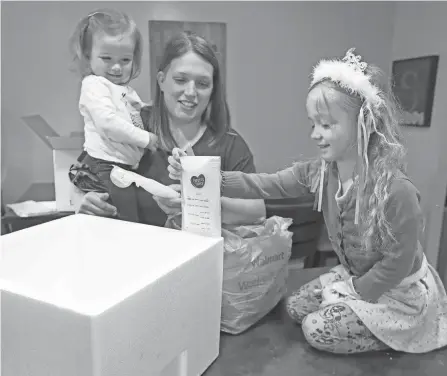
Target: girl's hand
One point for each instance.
(338, 291)
(170, 205)
(175, 167)
(330, 296)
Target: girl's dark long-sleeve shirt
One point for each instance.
(376, 271)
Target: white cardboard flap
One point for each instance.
(48, 135)
(40, 127)
(66, 143)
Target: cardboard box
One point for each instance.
(66, 149)
(90, 296)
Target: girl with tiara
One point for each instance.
(384, 294)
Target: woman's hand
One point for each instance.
(175, 167)
(170, 205)
(94, 203)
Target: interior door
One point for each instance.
(442, 258)
(161, 31)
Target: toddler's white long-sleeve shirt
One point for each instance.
(113, 127)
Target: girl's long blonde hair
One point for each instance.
(385, 156)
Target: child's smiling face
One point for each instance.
(334, 125)
(112, 57)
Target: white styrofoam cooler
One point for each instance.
(89, 296)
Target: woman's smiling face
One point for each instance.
(187, 87)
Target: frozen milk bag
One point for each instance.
(201, 208)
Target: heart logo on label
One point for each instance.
(198, 181)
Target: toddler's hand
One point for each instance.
(175, 167)
(153, 142)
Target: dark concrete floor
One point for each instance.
(276, 347)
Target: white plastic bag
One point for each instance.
(255, 271)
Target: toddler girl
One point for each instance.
(107, 48)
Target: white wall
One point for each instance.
(271, 48)
(421, 29)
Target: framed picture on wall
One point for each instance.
(414, 88)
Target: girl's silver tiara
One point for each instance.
(355, 62)
(350, 73)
